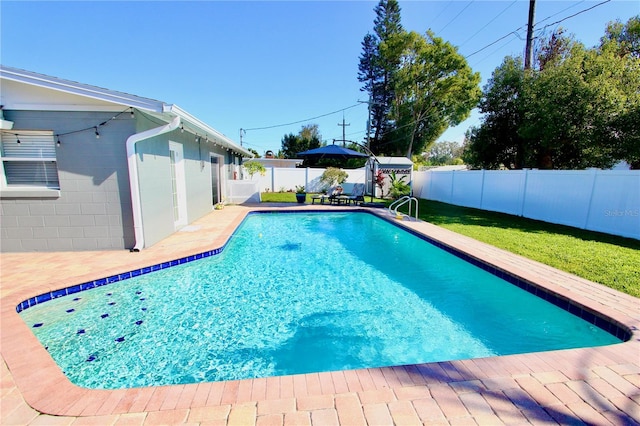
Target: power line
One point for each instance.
(442, 11)
(515, 32)
(575, 14)
(487, 24)
(454, 18)
(497, 49)
(303, 121)
(558, 13)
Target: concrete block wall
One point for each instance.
(92, 210)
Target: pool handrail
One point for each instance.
(393, 207)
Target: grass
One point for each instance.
(606, 259)
(281, 197)
(602, 258)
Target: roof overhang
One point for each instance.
(100, 99)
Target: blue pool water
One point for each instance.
(297, 293)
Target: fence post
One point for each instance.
(482, 188)
(524, 191)
(273, 179)
(453, 183)
(593, 187)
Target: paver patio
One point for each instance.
(577, 386)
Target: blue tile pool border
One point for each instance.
(41, 298)
(601, 321)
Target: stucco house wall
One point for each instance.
(155, 181)
(93, 209)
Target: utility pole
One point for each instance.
(528, 54)
(242, 132)
(344, 139)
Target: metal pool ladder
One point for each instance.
(393, 207)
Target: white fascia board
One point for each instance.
(80, 89)
(114, 97)
(398, 161)
(205, 130)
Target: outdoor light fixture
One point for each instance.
(97, 134)
(17, 138)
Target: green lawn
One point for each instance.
(281, 197)
(606, 259)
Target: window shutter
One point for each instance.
(32, 144)
(32, 162)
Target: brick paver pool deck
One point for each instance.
(598, 386)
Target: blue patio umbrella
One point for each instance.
(338, 152)
(331, 151)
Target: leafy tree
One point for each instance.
(417, 86)
(444, 153)
(626, 36)
(291, 145)
(308, 138)
(579, 108)
(310, 134)
(623, 40)
(573, 109)
(254, 167)
(554, 49)
(254, 152)
(497, 142)
(434, 88)
(333, 176)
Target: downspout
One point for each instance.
(133, 176)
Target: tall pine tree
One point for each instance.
(378, 65)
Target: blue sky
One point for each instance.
(259, 64)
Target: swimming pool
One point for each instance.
(377, 266)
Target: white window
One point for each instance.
(28, 160)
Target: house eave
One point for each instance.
(112, 98)
(80, 89)
(196, 126)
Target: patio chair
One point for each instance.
(337, 196)
(323, 197)
(357, 193)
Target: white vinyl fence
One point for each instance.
(598, 200)
(278, 179)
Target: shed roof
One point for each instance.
(394, 161)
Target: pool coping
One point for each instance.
(45, 388)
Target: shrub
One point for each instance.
(398, 188)
(333, 176)
(254, 167)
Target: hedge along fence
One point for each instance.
(598, 200)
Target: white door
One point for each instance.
(178, 184)
(216, 181)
